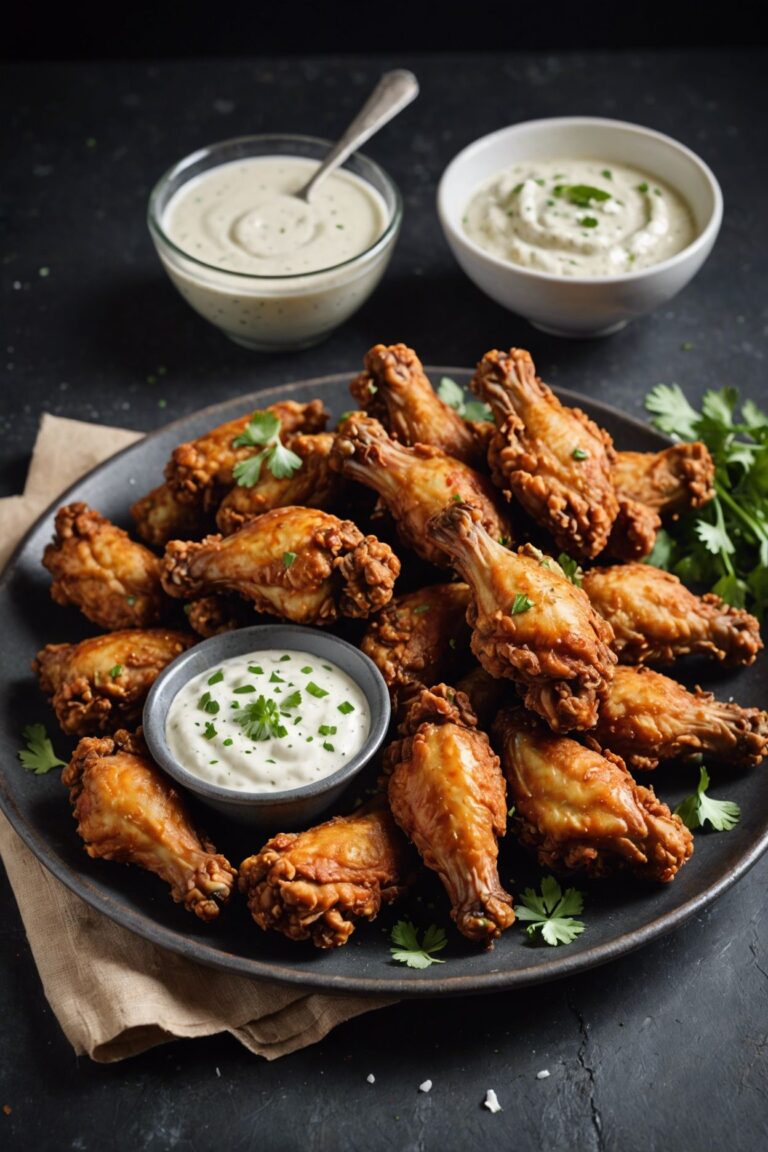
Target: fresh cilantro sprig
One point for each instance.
(552, 913)
(263, 431)
(452, 394)
(38, 756)
(261, 719)
(699, 809)
(409, 951)
(723, 545)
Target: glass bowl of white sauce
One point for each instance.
(273, 272)
(578, 223)
(268, 725)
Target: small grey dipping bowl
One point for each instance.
(276, 810)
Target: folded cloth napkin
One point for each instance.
(113, 993)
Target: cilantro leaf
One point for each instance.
(452, 394)
(572, 570)
(247, 472)
(263, 431)
(521, 603)
(663, 550)
(409, 951)
(39, 756)
(699, 809)
(282, 462)
(261, 720)
(551, 913)
(672, 412)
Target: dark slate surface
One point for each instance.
(667, 1048)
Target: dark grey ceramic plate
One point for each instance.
(619, 916)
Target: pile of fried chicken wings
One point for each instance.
(492, 570)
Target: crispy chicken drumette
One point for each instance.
(580, 809)
(553, 459)
(646, 717)
(395, 390)
(447, 793)
(200, 471)
(414, 483)
(317, 884)
(211, 615)
(674, 480)
(633, 533)
(656, 619)
(101, 683)
(160, 517)
(96, 566)
(300, 563)
(127, 811)
(313, 485)
(529, 622)
(419, 638)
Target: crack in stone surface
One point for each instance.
(581, 1056)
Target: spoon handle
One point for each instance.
(393, 92)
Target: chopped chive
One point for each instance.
(255, 669)
(245, 688)
(328, 747)
(216, 678)
(284, 658)
(306, 669)
(642, 187)
(310, 739)
(313, 690)
(327, 667)
(228, 742)
(346, 707)
(327, 730)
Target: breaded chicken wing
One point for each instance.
(419, 639)
(487, 694)
(300, 563)
(447, 793)
(633, 533)
(127, 811)
(674, 480)
(160, 517)
(414, 483)
(211, 615)
(101, 683)
(395, 390)
(646, 717)
(553, 459)
(656, 619)
(581, 810)
(200, 471)
(318, 884)
(313, 485)
(530, 624)
(96, 566)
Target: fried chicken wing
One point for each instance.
(581, 810)
(313, 485)
(486, 694)
(160, 517)
(414, 483)
(656, 619)
(101, 683)
(396, 391)
(633, 533)
(447, 793)
(211, 615)
(419, 638)
(646, 717)
(318, 884)
(529, 622)
(553, 459)
(300, 563)
(96, 566)
(127, 811)
(674, 480)
(200, 471)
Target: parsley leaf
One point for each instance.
(261, 720)
(552, 912)
(699, 809)
(452, 394)
(263, 431)
(521, 603)
(572, 570)
(409, 951)
(39, 756)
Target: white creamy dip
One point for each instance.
(578, 218)
(268, 721)
(244, 216)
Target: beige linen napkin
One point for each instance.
(113, 993)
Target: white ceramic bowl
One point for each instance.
(580, 306)
(274, 313)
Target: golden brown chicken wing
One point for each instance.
(674, 480)
(96, 566)
(419, 639)
(200, 471)
(160, 517)
(313, 485)
(414, 483)
(211, 615)
(317, 884)
(581, 809)
(553, 459)
(447, 793)
(396, 391)
(633, 533)
(101, 683)
(529, 622)
(487, 694)
(646, 717)
(300, 563)
(127, 811)
(656, 619)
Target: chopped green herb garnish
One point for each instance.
(263, 431)
(210, 731)
(228, 742)
(116, 671)
(589, 222)
(216, 678)
(39, 756)
(581, 195)
(327, 730)
(521, 603)
(284, 658)
(409, 951)
(292, 701)
(208, 704)
(452, 394)
(571, 568)
(420, 609)
(552, 912)
(345, 708)
(642, 187)
(246, 688)
(328, 747)
(607, 173)
(313, 690)
(306, 669)
(256, 669)
(518, 188)
(130, 601)
(288, 558)
(580, 454)
(261, 720)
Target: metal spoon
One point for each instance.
(393, 92)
